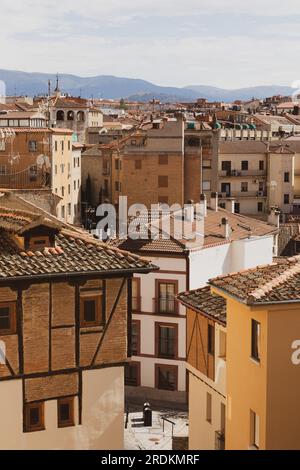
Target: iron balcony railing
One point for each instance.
(166, 305)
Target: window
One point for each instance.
(92, 312)
(237, 207)
(69, 145)
(226, 166)
(286, 199)
(62, 212)
(69, 189)
(209, 408)
(206, 185)
(32, 146)
(166, 377)
(132, 374)
(166, 341)
(69, 209)
(2, 169)
(62, 191)
(136, 295)
(65, 412)
(34, 417)
(62, 146)
(62, 166)
(163, 181)
(7, 318)
(138, 164)
(136, 338)
(244, 165)
(38, 243)
(118, 186)
(261, 165)
(261, 186)
(117, 164)
(254, 430)
(244, 187)
(207, 164)
(55, 169)
(260, 207)
(166, 302)
(286, 177)
(163, 159)
(255, 340)
(211, 339)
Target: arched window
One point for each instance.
(80, 116)
(2, 353)
(60, 116)
(70, 116)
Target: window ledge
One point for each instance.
(255, 361)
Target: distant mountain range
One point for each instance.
(106, 86)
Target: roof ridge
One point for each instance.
(284, 276)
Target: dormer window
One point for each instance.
(39, 243)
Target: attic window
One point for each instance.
(39, 243)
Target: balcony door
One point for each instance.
(166, 297)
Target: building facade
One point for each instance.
(65, 321)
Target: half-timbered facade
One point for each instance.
(65, 305)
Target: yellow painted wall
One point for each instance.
(246, 379)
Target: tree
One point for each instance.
(123, 104)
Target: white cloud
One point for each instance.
(72, 37)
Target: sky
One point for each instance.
(225, 43)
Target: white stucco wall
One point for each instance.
(102, 416)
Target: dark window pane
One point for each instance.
(5, 318)
(34, 416)
(167, 342)
(211, 339)
(89, 311)
(255, 339)
(64, 412)
(135, 339)
(131, 375)
(166, 379)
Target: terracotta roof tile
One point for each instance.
(205, 302)
(278, 282)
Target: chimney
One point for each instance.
(230, 205)
(214, 202)
(189, 211)
(226, 228)
(274, 216)
(203, 205)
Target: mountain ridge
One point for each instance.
(112, 87)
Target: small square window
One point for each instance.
(92, 312)
(34, 417)
(163, 159)
(65, 412)
(163, 181)
(7, 318)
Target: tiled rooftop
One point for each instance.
(242, 227)
(277, 282)
(204, 301)
(74, 251)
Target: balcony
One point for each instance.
(242, 173)
(166, 306)
(26, 179)
(244, 194)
